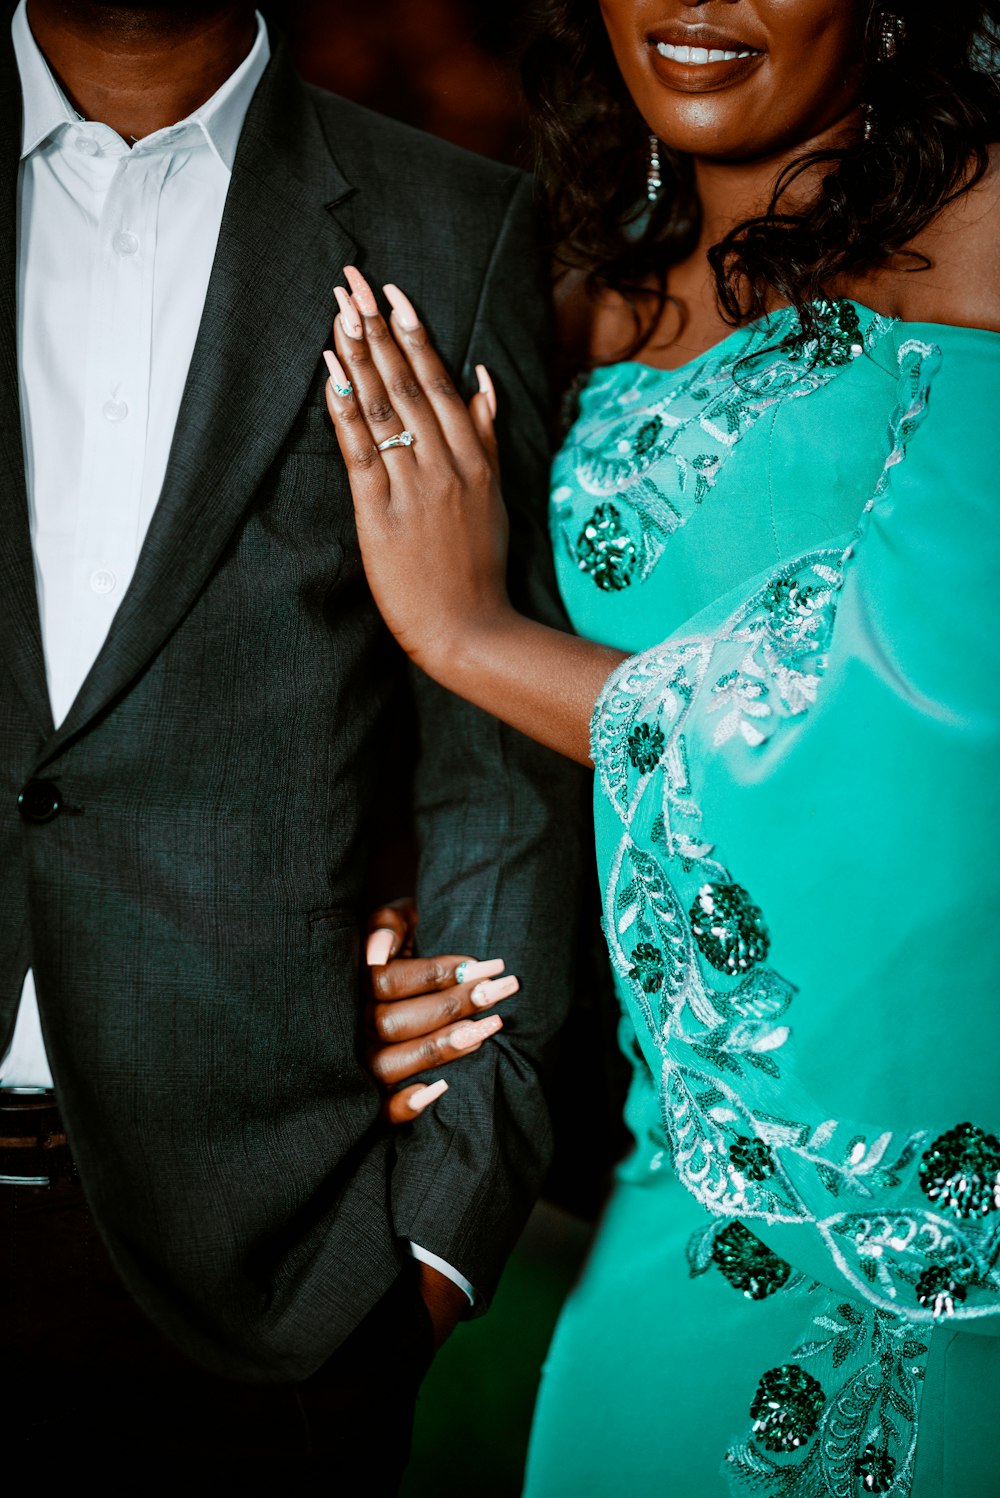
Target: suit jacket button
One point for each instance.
(39, 801)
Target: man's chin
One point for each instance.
(160, 15)
(163, 9)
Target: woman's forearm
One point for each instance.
(539, 680)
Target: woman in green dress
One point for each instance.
(774, 519)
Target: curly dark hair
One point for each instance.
(935, 106)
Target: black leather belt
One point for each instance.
(33, 1147)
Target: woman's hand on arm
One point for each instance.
(433, 529)
(424, 1012)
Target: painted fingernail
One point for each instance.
(487, 388)
(428, 1094)
(474, 1032)
(361, 291)
(350, 321)
(403, 308)
(380, 947)
(341, 384)
(485, 994)
(469, 972)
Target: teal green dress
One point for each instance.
(796, 1287)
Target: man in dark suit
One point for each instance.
(195, 696)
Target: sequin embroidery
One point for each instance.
(961, 1172)
(747, 1263)
(606, 550)
(720, 1018)
(751, 1157)
(649, 968)
(645, 745)
(728, 927)
(875, 1468)
(847, 1428)
(838, 339)
(786, 1408)
(649, 456)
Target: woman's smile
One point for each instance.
(737, 80)
(696, 55)
(698, 58)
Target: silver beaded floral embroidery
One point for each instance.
(647, 457)
(691, 947)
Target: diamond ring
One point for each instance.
(401, 439)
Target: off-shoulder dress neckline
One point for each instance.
(758, 324)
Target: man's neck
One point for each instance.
(139, 68)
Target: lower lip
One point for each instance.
(704, 77)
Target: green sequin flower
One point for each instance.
(838, 338)
(961, 1171)
(938, 1290)
(645, 745)
(790, 605)
(751, 1157)
(606, 551)
(786, 1408)
(649, 970)
(748, 1264)
(875, 1468)
(645, 437)
(728, 928)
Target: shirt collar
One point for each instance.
(220, 118)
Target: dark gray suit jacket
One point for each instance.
(191, 914)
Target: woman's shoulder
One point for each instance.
(952, 275)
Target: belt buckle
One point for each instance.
(22, 1102)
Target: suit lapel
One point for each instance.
(267, 316)
(20, 631)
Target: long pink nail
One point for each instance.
(428, 1094)
(404, 309)
(380, 947)
(487, 388)
(361, 291)
(485, 994)
(341, 383)
(349, 318)
(471, 972)
(474, 1032)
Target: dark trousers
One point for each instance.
(88, 1378)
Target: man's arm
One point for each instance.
(501, 824)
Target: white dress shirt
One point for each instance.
(115, 250)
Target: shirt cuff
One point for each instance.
(443, 1267)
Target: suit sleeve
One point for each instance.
(501, 827)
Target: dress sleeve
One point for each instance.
(796, 816)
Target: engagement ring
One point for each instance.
(401, 439)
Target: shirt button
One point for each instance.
(103, 580)
(125, 243)
(87, 145)
(114, 410)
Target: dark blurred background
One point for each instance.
(450, 67)
(447, 66)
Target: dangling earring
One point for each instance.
(653, 179)
(891, 34)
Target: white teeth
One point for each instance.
(697, 56)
